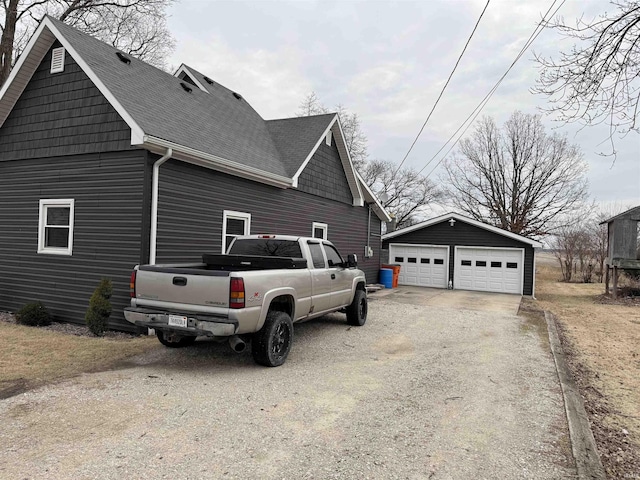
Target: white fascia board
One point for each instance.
(137, 134)
(371, 197)
(185, 69)
(349, 169)
(23, 70)
(347, 165)
(468, 220)
(196, 157)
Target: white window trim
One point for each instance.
(322, 226)
(42, 217)
(57, 60)
(236, 216)
(327, 139)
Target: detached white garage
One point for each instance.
(457, 251)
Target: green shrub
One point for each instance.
(33, 314)
(99, 308)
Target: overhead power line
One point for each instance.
(476, 111)
(444, 88)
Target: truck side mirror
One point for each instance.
(352, 260)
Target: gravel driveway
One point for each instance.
(417, 393)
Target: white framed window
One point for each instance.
(319, 230)
(57, 60)
(55, 226)
(234, 224)
(327, 139)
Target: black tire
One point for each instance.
(173, 340)
(357, 311)
(271, 345)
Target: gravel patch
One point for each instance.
(416, 393)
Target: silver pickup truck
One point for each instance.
(252, 294)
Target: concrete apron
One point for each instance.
(458, 299)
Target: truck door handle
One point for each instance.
(179, 281)
(333, 276)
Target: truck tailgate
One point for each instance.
(157, 285)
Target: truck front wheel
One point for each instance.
(270, 346)
(357, 311)
(173, 340)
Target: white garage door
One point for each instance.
(421, 265)
(489, 269)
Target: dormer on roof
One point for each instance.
(183, 73)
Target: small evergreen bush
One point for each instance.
(33, 314)
(99, 308)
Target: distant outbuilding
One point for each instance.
(622, 246)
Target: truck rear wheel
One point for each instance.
(357, 311)
(174, 340)
(270, 346)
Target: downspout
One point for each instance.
(368, 229)
(154, 205)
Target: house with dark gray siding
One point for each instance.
(107, 162)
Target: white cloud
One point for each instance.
(271, 80)
(387, 62)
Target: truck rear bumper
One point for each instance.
(197, 324)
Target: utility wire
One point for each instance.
(443, 88)
(469, 120)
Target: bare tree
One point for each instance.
(598, 80)
(355, 138)
(565, 248)
(404, 192)
(518, 178)
(137, 27)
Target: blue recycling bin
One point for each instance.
(386, 277)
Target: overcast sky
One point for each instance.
(387, 62)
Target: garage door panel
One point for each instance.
(489, 269)
(420, 265)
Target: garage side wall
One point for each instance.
(464, 234)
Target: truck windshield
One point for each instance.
(266, 247)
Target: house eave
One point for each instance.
(206, 160)
(373, 200)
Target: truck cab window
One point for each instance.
(333, 257)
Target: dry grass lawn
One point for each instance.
(602, 341)
(31, 357)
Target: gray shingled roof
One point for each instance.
(215, 123)
(296, 137)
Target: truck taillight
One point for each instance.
(236, 294)
(132, 285)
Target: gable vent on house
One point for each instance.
(186, 87)
(237, 95)
(123, 58)
(57, 60)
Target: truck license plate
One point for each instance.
(177, 321)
